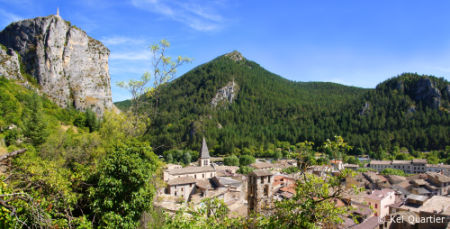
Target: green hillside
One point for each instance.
(68, 162)
(268, 109)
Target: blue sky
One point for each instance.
(358, 43)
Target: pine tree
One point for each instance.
(36, 126)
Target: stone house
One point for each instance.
(380, 200)
(439, 168)
(440, 181)
(180, 187)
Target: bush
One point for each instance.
(180, 156)
(231, 160)
(245, 170)
(277, 155)
(245, 160)
(389, 171)
(363, 170)
(123, 190)
(290, 170)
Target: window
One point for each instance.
(262, 180)
(190, 185)
(195, 176)
(203, 175)
(182, 189)
(376, 206)
(266, 190)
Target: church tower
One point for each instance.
(204, 155)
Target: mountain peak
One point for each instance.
(235, 55)
(70, 67)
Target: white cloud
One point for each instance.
(131, 55)
(8, 17)
(199, 15)
(127, 69)
(119, 40)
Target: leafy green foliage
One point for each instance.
(291, 170)
(124, 191)
(245, 160)
(244, 169)
(313, 204)
(180, 156)
(390, 171)
(363, 170)
(70, 175)
(231, 160)
(212, 213)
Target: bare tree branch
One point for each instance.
(12, 154)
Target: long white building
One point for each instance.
(410, 166)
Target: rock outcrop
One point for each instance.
(365, 108)
(235, 55)
(9, 64)
(70, 67)
(225, 94)
(426, 92)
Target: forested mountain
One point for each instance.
(239, 105)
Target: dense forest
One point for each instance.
(268, 109)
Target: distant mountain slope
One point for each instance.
(409, 110)
(236, 103)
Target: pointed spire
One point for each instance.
(57, 11)
(204, 153)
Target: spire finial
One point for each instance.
(57, 11)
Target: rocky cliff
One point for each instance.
(70, 67)
(225, 94)
(427, 90)
(9, 64)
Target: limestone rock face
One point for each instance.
(70, 66)
(365, 108)
(9, 64)
(235, 55)
(226, 94)
(428, 93)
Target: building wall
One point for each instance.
(406, 167)
(437, 169)
(381, 207)
(199, 176)
(443, 188)
(259, 192)
(183, 190)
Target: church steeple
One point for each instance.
(57, 12)
(204, 154)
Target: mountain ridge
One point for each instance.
(269, 108)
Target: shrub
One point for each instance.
(231, 160)
(245, 160)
